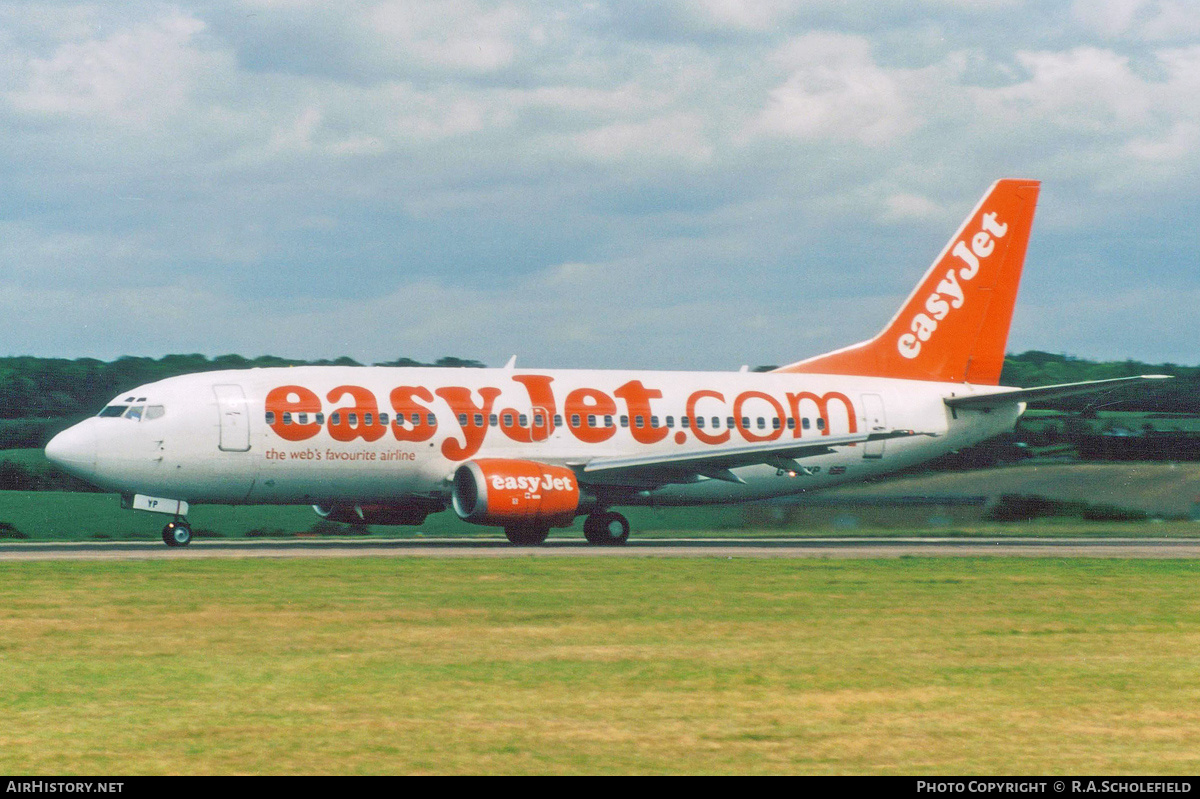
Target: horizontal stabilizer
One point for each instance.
(1046, 393)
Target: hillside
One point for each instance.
(1163, 490)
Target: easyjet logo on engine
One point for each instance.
(417, 413)
(546, 482)
(950, 293)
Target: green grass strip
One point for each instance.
(531, 665)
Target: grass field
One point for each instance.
(700, 665)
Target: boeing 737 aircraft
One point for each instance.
(530, 450)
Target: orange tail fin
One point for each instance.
(954, 326)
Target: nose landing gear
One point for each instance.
(177, 533)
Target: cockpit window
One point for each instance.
(135, 413)
(154, 412)
(114, 410)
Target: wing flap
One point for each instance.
(647, 471)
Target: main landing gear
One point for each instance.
(177, 534)
(606, 528)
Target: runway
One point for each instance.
(1141, 548)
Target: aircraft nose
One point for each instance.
(74, 450)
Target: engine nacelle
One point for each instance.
(504, 493)
(400, 513)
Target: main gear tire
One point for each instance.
(606, 529)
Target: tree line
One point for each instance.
(46, 388)
(1034, 368)
(40, 396)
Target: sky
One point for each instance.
(620, 184)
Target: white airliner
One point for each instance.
(530, 450)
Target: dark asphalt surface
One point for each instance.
(697, 547)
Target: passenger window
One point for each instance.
(479, 420)
(624, 421)
(494, 420)
(270, 417)
(700, 422)
(670, 422)
(654, 421)
(462, 420)
(558, 420)
(287, 418)
(369, 419)
(639, 422)
(302, 418)
(430, 420)
(820, 422)
(591, 420)
(508, 420)
(523, 420)
(575, 420)
(805, 423)
(320, 418)
(762, 423)
(685, 421)
(335, 419)
(775, 423)
(383, 418)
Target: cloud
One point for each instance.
(835, 90)
(748, 15)
(132, 77)
(1180, 142)
(1147, 20)
(456, 35)
(676, 136)
(908, 207)
(1084, 89)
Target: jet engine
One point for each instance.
(510, 493)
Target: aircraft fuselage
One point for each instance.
(324, 435)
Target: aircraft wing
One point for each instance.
(1044, 393)
(648, 471)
